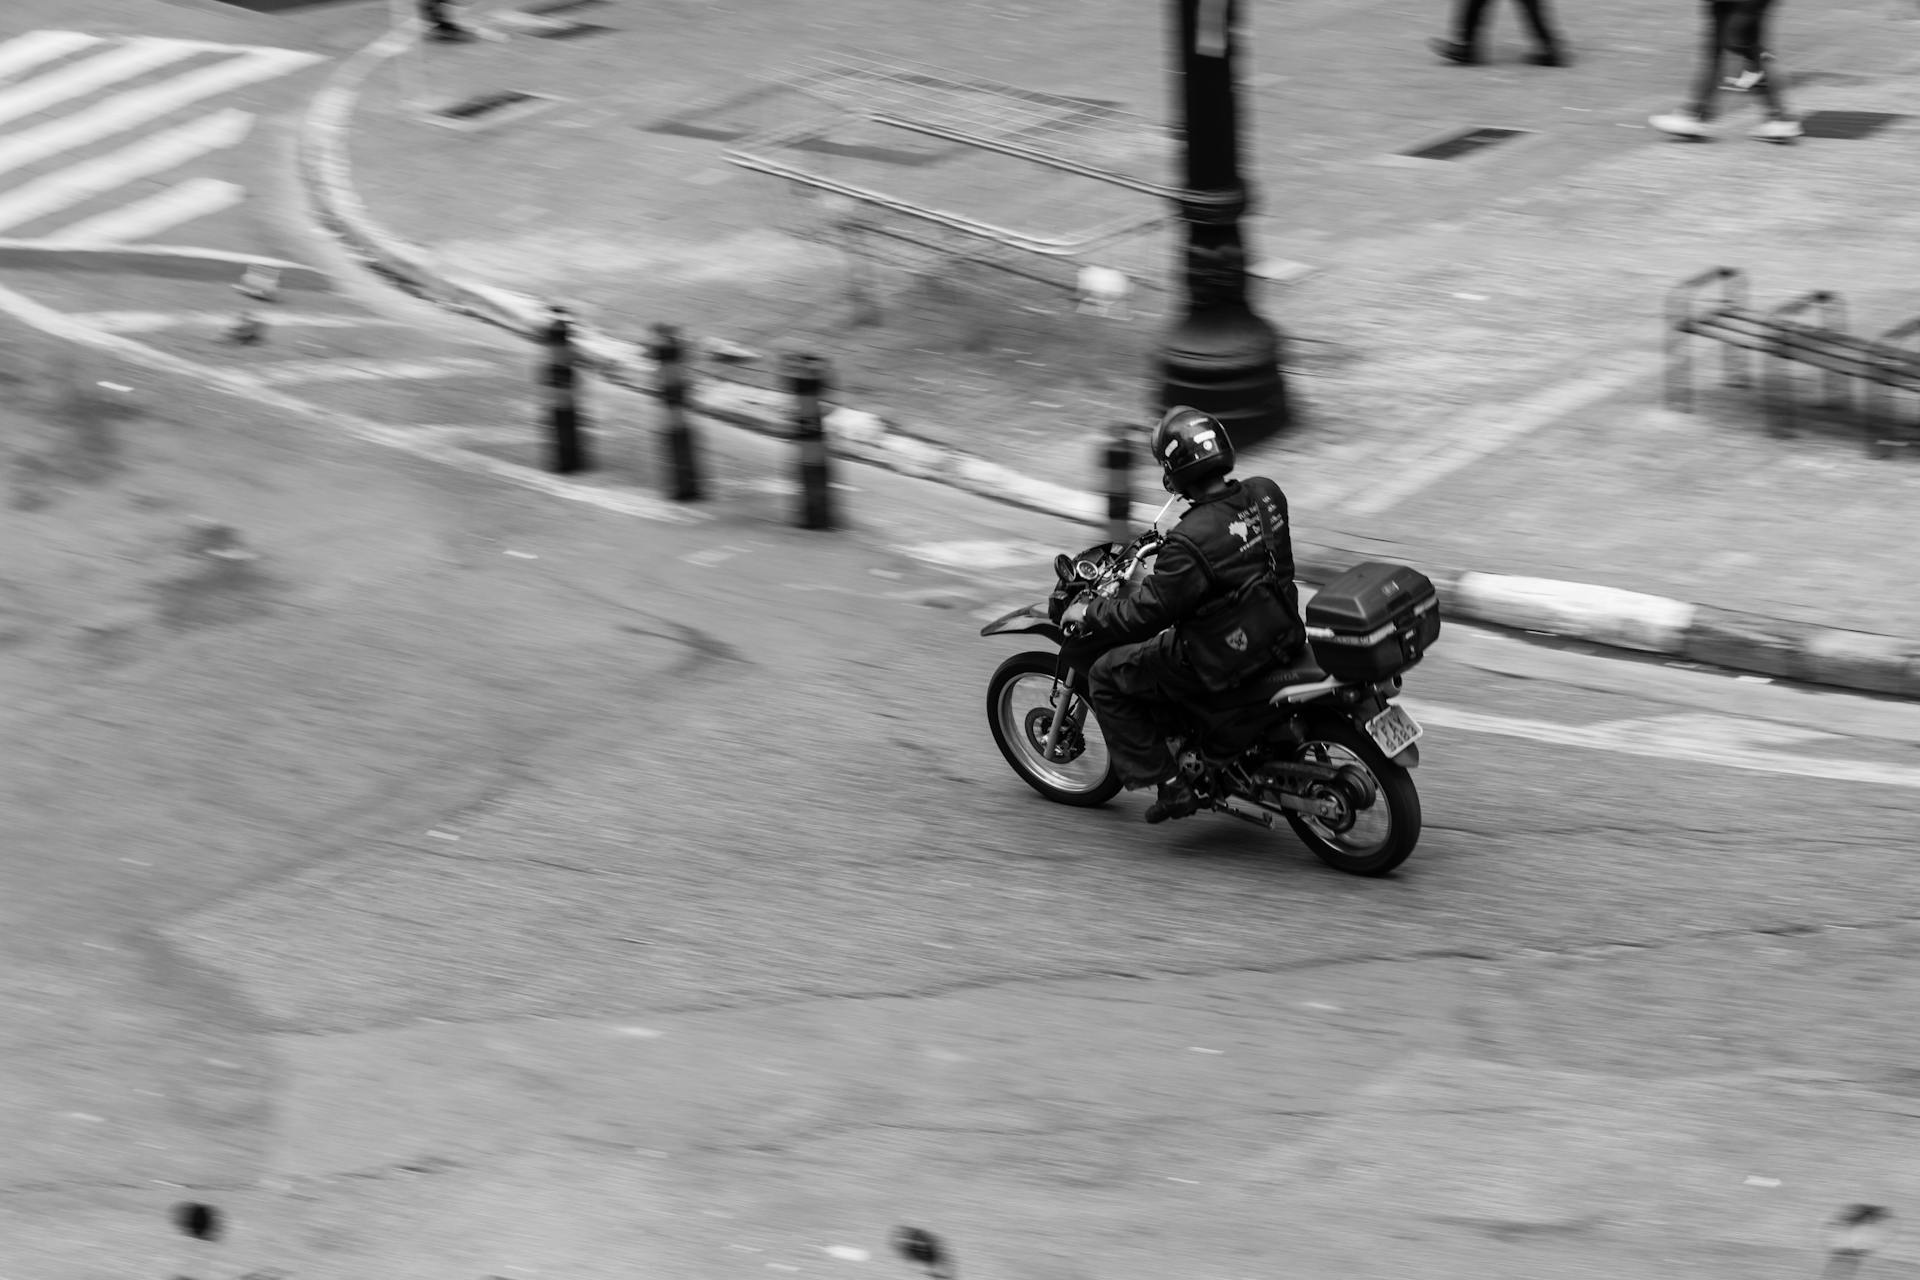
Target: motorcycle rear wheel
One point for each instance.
(1366, 848)
(1019, 714)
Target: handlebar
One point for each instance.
(1101, 569)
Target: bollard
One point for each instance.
(1117, 462)
(807, 380)
(683, 463)
(925, 1248)
(563, 411)
(440, 26)
(202, 1224)
(262, 284)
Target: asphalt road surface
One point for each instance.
(465, 882)
(475, 880)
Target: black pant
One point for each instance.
(1471, 13)
(1136, 690)
(1738, 27)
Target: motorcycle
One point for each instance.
(1330, 756)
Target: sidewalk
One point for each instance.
(1475, 346)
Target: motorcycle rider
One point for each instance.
(1219, 608)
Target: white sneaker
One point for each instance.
(1681, 124)
(1782, 130)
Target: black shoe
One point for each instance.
(1548, 58)
(1453, 51)
(1176, 800)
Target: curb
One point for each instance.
(183, 263)
(1631, 620)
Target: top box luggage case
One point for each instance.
(1373, 621)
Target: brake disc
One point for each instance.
(1070, 746)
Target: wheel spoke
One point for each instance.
(1027, 708)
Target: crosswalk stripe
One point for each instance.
(144, 106)
(148, 217)
(136, 57)
(293, 371)
(160, 321)
(36, 47)
(157, 154)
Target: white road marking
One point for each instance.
(157, 154)
(294, 371)
(36, 47)
(134, 58)
(1854, 717)
(158, 321)
(1491, 432)
(146, 218)
(1717, 740)
(143, 107)
(1706, 730)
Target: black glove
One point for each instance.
(1057, 603)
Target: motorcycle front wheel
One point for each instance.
(1021, 700)
(1365, 840)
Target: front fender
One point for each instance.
(1029, 619)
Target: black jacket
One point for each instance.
(1214, 549)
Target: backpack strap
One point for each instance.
(1266, 539)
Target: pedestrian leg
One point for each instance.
(1747, 37)
(1468, 19)
(1544, 39)
(1706, 83)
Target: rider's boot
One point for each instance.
(1176, 800)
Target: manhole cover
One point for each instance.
(1846, 124)
(1464, 143)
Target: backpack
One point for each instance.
(1233, 639)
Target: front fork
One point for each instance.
(1075, 657)
(1064, 710)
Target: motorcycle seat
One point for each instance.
(1303, 670)
(1268, 685)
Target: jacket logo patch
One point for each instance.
(1241, 530)
(1237, 640)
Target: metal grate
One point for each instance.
(1463, 143)
(486, 109)
(1038, 184)
(1850, 125)
(278, 6)
(573, 30)
(1089, 136)
(724, 120)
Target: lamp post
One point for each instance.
(1219, 357)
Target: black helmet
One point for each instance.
(1190, 446)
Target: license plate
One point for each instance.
(1394, 730)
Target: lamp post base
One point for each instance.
(1225, 360)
